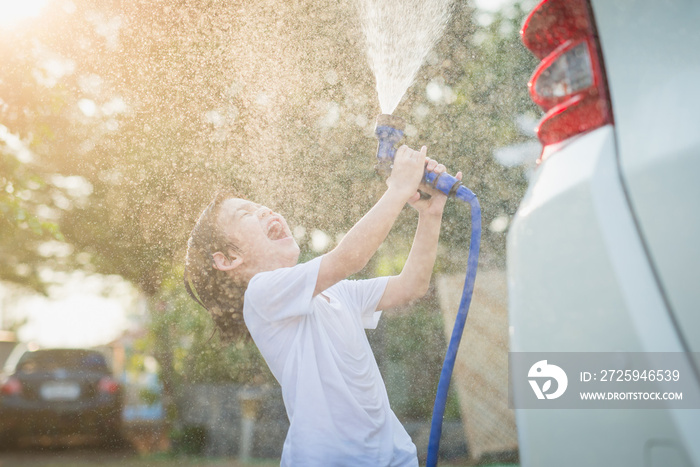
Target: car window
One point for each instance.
(49, 360)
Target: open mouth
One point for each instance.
(276, 231)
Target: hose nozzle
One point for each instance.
(389, 131)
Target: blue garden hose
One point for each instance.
(389, 132)
(451, 355)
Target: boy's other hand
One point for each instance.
(407, 171)
(436, 203)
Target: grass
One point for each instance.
(72, 457)
(45, 459)
(81, 458)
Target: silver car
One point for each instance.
(603, 252)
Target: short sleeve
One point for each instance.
(283, 293)
(364, 296)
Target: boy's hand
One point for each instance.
(436, 203)
(407, 171)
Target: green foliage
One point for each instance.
(189, 440)
(487, 68)
(33, 125)
(185, 98)
(240, 98)
(183, 337)
(23, 193)
(149, 396)
(411, 353)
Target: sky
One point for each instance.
(82, 311)
(12, 11)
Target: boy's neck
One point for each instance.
(244, 276)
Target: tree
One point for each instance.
(481, 74)
(156, 105)
(31, 198)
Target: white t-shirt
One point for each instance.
(317, 349)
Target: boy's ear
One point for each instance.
(223, 262)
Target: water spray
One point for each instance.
(389, 132)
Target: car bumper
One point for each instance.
(579, 281)
(27, 420)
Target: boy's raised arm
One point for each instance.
(361, 242)
(414, 280)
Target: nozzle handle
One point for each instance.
(449, 185)
(389, 132)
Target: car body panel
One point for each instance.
(657, 120)
(575, 210)
(579, 281)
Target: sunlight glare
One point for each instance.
(12, 11)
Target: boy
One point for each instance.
(308, 321)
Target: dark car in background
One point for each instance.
(60, 394)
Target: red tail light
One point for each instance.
(107, 385)
(11, 387)
(569, 84)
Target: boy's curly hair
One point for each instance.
(213, 289)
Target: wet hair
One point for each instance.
(213, 289)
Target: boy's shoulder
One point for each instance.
(283, 292)
(289, 272)
(284, 280)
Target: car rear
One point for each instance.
(61, 392)
(602, 251)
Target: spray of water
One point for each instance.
(399, 35)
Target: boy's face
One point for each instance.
(263, 237)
